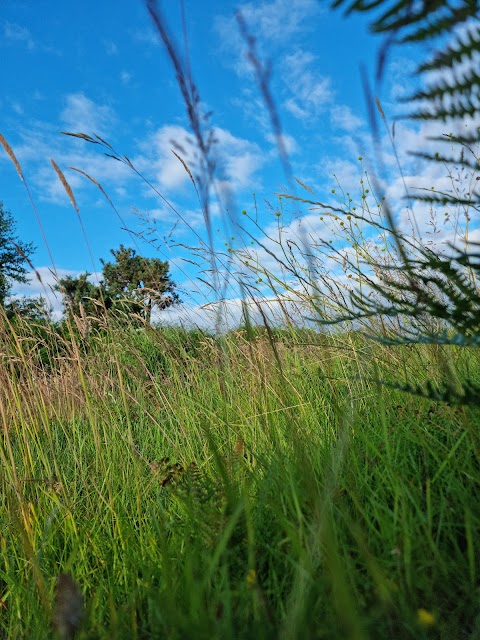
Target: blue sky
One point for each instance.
(99, 68)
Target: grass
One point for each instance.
(199, 487)
(265, 483)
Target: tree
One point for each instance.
(13, 255)
(130, 283)
(141, 283)
(29, 308)
(80, 295)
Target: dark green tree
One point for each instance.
(139, 283)
(14, 255)
(131, 284)
(80, 296)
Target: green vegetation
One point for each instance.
(131, 284)
(270, 482)
(194, 488)
(14, 254)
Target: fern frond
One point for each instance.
(463, 109)
(465, 140)
(463, 48)
(469, 84)
(445, 199)
(439, 25)
(447, 160)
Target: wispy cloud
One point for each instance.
(37, 142)
(126, 78)
(289, 143)
(81, 114)
(253, 109)
(238, 159)
(17, 107)
(272, 23)
(342, 117)
(194, 218)
(111, 48)
(310, 92)
(146, 36)
(16, 34)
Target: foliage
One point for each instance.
(451, 73)
(427, 283)
(80, 295)
(33, 309)
(132, 284)
(312, 504)
(142, 283)
(263, 484)
(13, 254)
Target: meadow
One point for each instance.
(189, 486)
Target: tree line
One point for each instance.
(130, 284)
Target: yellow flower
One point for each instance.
(251, 577)
(425, 618)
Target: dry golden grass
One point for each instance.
(13, 158)
(65, 184)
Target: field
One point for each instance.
(312, 471)
(253, 485)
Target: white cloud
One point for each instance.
(17, 108)
(228, 314)
(279, 19)
(422, 220)
(274, 21)
(193, 217)
(295, 109)
(37, 144)
(289, 143)
(256, 113)
(342, 174)
(253, 109)
(310, 92)
(158, 159)
(81, 114)
(147, 37)
(399, 75)
(343, 118)
(238, 159)
(309, 230)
